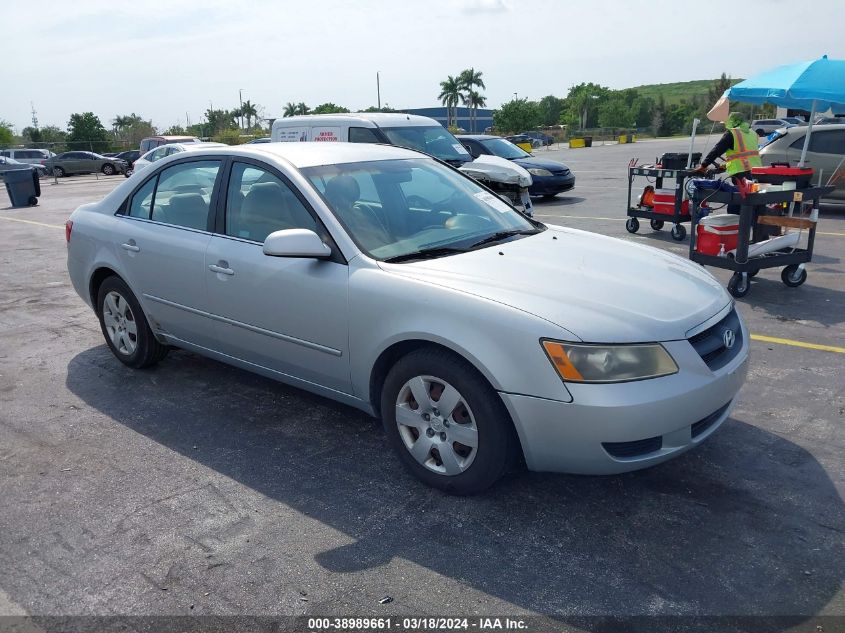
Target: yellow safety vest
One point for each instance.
(744, 154)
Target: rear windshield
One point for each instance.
(435, 140)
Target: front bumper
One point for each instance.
(550, 185)
(615, 428)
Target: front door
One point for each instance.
(288, 314)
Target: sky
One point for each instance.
(169, 61)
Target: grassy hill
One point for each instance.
(678, 91)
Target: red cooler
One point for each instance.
(664, 202)
(717, 233)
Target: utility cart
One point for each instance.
(669, 205)
(746, 257)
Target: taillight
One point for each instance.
(68, 230)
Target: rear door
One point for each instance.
(288, 314)
(825, 152)
(161, 241)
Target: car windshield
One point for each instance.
(434, 139)
(415, 208)
(771, 138)
(504, 149)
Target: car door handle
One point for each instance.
(220, 269)
(130, 247)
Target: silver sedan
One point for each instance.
(381, 278)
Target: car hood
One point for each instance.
(602, 289)
(530, 163)
(498, 170)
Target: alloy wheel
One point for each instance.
(120, 323)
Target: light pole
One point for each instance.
(515, 96)
(378, 89)
(241, 101)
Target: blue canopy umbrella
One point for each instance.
(818, 85)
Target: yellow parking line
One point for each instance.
(786, 341)
(49, 226)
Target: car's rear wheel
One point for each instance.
(108, 169)
(58, 172)
(125, 327)
(446, 423)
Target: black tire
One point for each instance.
(679, 232)
(791, 277)
(108, 169)
(632, 225)
(497, 442)
(656, 224)
(32, 201)
(739, 285)
(128, 173)
(58, 172)
(147, 350)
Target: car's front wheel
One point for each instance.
(125, 327)
(108, 169)
(446, 423)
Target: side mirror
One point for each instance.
(296, 243)
(473, 151)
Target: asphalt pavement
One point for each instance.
(194, 488)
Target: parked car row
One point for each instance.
(84, 163)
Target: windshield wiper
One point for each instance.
(426, 253)
(500, 235)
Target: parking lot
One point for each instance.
(196, 488)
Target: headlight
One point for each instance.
(577, 362)
(539, 171)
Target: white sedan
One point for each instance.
(167, 150)
(384, 279)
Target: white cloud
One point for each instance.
(486, 6)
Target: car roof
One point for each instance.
(381, 119)
(477, 137)
(311, 154)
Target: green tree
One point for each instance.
(53, 134)
(641, 111)
(86, 131)
(219, 120)
(31, 135)
(176, 130)
(7, 136)
(516, 115)
(717, 89)
(328, 108)
(301, 108)
(468, 81)
(582, 104)
(249, 111)
(550, 109)
(290, 109)
(384, 108)
(615, 113)
(450, 96)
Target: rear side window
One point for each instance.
(824, 142)
(363, 135)
(142, 201)
(183, 194)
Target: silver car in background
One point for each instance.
(825, 154)
(384, 279)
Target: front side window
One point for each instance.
(259, 203)
(183, 194)
(419, 206)
(504, 149)
(142, 201)
(435, 140)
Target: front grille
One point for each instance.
(710, 344)
(559, 172)
(637, 448)
(705, 423)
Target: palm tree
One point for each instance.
(475, 100)
(450, 95)
(248, 111)
(301, 108)
(290, 109)
(468, 81)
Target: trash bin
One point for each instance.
(23, 187)
(588, 141)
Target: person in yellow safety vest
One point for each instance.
(739, 145)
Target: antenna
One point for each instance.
(34, 115)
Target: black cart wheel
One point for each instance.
(656, 224)
(33, 201)
(679, 232)
(792, 276)
(739, 285)
(633, 225)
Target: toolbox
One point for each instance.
(717, 234)
(676, 160)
